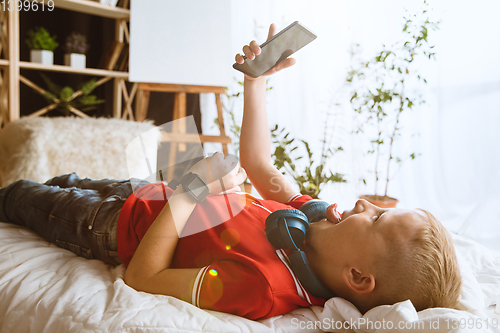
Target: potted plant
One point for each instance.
(381, 94)
(69, 100)
(42, 46)
(314, 176)
(75, 48)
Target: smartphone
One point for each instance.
(278, 48)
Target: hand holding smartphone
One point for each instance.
(276, 49)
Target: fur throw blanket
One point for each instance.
(42, 148)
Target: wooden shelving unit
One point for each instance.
(67, 69)
(11, 78)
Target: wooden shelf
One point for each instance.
(67, 69)
(10, 75)
(90, 7)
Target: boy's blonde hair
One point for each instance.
(425, 270)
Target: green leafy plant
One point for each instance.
(76, 43)
(67, 98)
(40, 39)
(314, 176)
(381, 92)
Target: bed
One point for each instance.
(44, 288)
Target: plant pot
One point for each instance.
(43, 57)
(380, 201)
(247, 187)
(75, 60)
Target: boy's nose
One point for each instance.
(362, 204)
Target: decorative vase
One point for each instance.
(380, 201)
(43, 57)
(75, 60)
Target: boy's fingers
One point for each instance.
(282, 65)
(234, 177)
(242, 175)
(287, 63)
(255, 47)
(248, 52)
(239, 59)
(272, 31)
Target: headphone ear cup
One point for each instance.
(298, 226)
(315, 210)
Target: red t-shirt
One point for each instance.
(241, 272)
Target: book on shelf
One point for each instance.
(123, 4)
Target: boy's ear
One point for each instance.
(360, 283)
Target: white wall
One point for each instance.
(459, 137)
(458, 126)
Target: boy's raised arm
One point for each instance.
(255, 142)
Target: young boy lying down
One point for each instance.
(175, 241)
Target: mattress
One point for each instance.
(47, 289)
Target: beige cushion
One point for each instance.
(42, 148)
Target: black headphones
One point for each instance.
(287, 229)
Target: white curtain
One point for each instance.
(457, 175)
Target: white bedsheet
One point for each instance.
(47, 289)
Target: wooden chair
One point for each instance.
(178, 137)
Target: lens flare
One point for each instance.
(230, 238)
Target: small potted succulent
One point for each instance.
(75, 48)
(42, 46)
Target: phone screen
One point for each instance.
(278, 48)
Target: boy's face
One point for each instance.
(363, 234)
